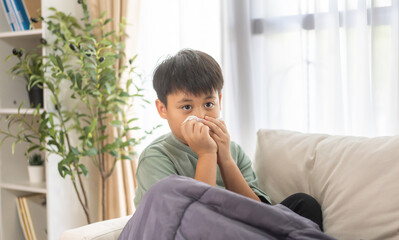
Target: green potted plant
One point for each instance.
(80, 66)
(36, 168)
(29, 67)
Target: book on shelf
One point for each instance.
(13, 17)
(32, 216)
(19, 12)
(33, 9)
(23, 219)
(21, 15)
(8, 14)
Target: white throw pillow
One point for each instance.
(355, 179)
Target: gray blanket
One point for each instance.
(182, 208)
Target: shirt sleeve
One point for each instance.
(245, 166)
(153, 166)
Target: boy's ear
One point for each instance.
(162, 111)
(220, 101)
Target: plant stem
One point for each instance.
(81, 185)
(104, 194)
(85, 204)
(102, 167)
(85, 207)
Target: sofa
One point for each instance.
(355, 180)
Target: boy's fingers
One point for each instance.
(220, 123)
(187, 129)
(214, 136)
(204, 129)
(184, 133)
(197, 128)
(214, 127)
(215, 130)
(189, 125)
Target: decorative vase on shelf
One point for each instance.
(36, 174)
(35, 96)
(30, 67)
(36, 168)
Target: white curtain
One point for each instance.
(238, 108)
(315, 66)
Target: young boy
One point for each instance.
(190, 84)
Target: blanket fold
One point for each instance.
(179, 207)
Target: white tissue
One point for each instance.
(196, 118)
(192, 117)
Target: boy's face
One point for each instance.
(180, 105)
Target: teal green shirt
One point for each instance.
(167, 156)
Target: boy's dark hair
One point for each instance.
(189, 70)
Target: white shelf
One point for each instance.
(14, 111)
(13, 175)
(35, 33)
(25, 187)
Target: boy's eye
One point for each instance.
(186, 107)
(209, 105)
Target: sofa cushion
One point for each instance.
(283, 161)
(355, 179)
(104, 230)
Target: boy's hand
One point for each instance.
(221, 136)
(231, 174)
(198, 138)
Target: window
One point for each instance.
(327, 66)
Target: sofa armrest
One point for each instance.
(104, 230)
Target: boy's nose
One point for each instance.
(200, 114)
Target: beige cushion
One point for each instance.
(283, 161)
(355, 179)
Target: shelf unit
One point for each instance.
(63, 209)
(28, 34)
(25, 186)
(14, 180)
(14, 183)
(11, 111)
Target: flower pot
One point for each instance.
(36, 96)
(36, 174)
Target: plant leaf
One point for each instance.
(91, 152)
(84, 169)
(126, 157)
(116, 123)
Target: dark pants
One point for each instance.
(306, 206)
